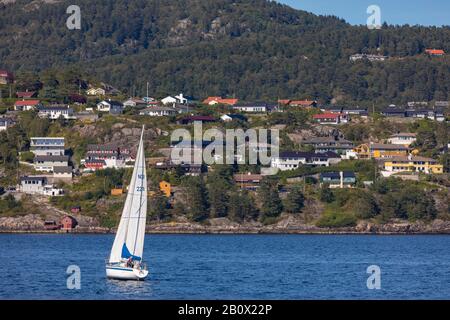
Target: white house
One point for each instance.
(62, 173)
(293, 160)
(258, 107)
(109, 106)
(56, 112)
(176, 99)
(48, 163)
(134, 102)
(45, 146)
(27, 105)
(169, 100)
(158, 112)
(96, 92)
(39, 185)
(405, 139)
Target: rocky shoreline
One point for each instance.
(33, 224)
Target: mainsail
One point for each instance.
(129, 241)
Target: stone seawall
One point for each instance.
(35, 224)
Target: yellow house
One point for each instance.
(413, 164)
(166, 188)
(116, 192)
(379, 150)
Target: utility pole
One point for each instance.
(147, 89)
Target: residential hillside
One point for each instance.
(337, 171)
(252, 49)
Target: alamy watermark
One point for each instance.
(73, 22)
(74, 279)
(374, 280)
(374, 20)
(233, 146)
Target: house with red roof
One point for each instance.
(6, 77)
(27, 105)
(435, 52)
(26, 94)
(330, 118)
(284, 102)
(219, 100)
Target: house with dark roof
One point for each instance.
(111, 106)
(158, 111)
(48, 163)
(47, 146)
(5, 123)
(255, 107)
(303, 103)
(343, 179)
(62, 174)
(329, 143)
(394, 112)
(357, 111)
(233, 117)
(191, 119)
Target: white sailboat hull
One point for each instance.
(125, 273)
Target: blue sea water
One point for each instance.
(230, 267)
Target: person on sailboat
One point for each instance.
(130, 262)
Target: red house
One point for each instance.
(435, 52)
(95, 164)
(68, 223)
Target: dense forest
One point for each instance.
(251, 49)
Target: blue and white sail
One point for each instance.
(129, 241)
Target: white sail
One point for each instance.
(130, 235)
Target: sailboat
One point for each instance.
(126, 258)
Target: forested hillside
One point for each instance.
(252, 49)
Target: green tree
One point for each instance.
(195, 198)
(271, 205)
(295, 200)
(158, 207)
(241, 207)
(325, 194)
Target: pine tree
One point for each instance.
(295, 200)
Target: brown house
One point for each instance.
(248, 181)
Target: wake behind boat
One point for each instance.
(125, 261)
